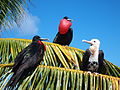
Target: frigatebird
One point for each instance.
(93, 57)
(65, 33)
(27, 60)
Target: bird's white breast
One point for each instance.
(94, 57)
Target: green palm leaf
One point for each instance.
(60, 69)
(11, 11)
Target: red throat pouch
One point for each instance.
(41, 43)
(64, 26)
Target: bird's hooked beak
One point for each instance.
(92, 48)
(44, 39)
(69, 19)
(89, 42)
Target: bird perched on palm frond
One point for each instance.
(93, 57)
(65, 33)
(27, 60)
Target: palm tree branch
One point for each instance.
(55, 55)
(63, 78)
(63, 69)
(12, 11)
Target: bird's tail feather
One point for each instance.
(14, 80)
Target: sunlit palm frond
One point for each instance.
(11, 11)
(49, 77)
(55, 55)
(60, 68)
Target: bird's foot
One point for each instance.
(75, 65)
(96, 73)
(89, 72)
(66, 45)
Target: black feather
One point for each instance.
(64, 39)
(85, 62)
(26, 61)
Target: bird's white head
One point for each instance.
(95, 44)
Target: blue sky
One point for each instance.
(92, 19)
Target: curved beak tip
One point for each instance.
(70, 19)
(47, 40)
(44, 39)
(83, 40)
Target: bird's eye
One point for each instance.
(94, 41)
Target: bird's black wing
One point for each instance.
(26, 62)
(85, 60)
(101, 64)
(26, 52)
(69, 36)
(35, 53)
(64, 39)
(56, 39)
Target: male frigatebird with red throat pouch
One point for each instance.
(27, 61)
(93, 57)
(65, 33)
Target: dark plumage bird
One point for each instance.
(93, 57)
(65, 33)
(27, 60)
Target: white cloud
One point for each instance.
(29, 25)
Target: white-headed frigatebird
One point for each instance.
(65, 33)
(27, 60)
(93, 57)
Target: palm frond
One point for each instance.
(56, 55)
(11, 11)
(49, 77)
(60, 68)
